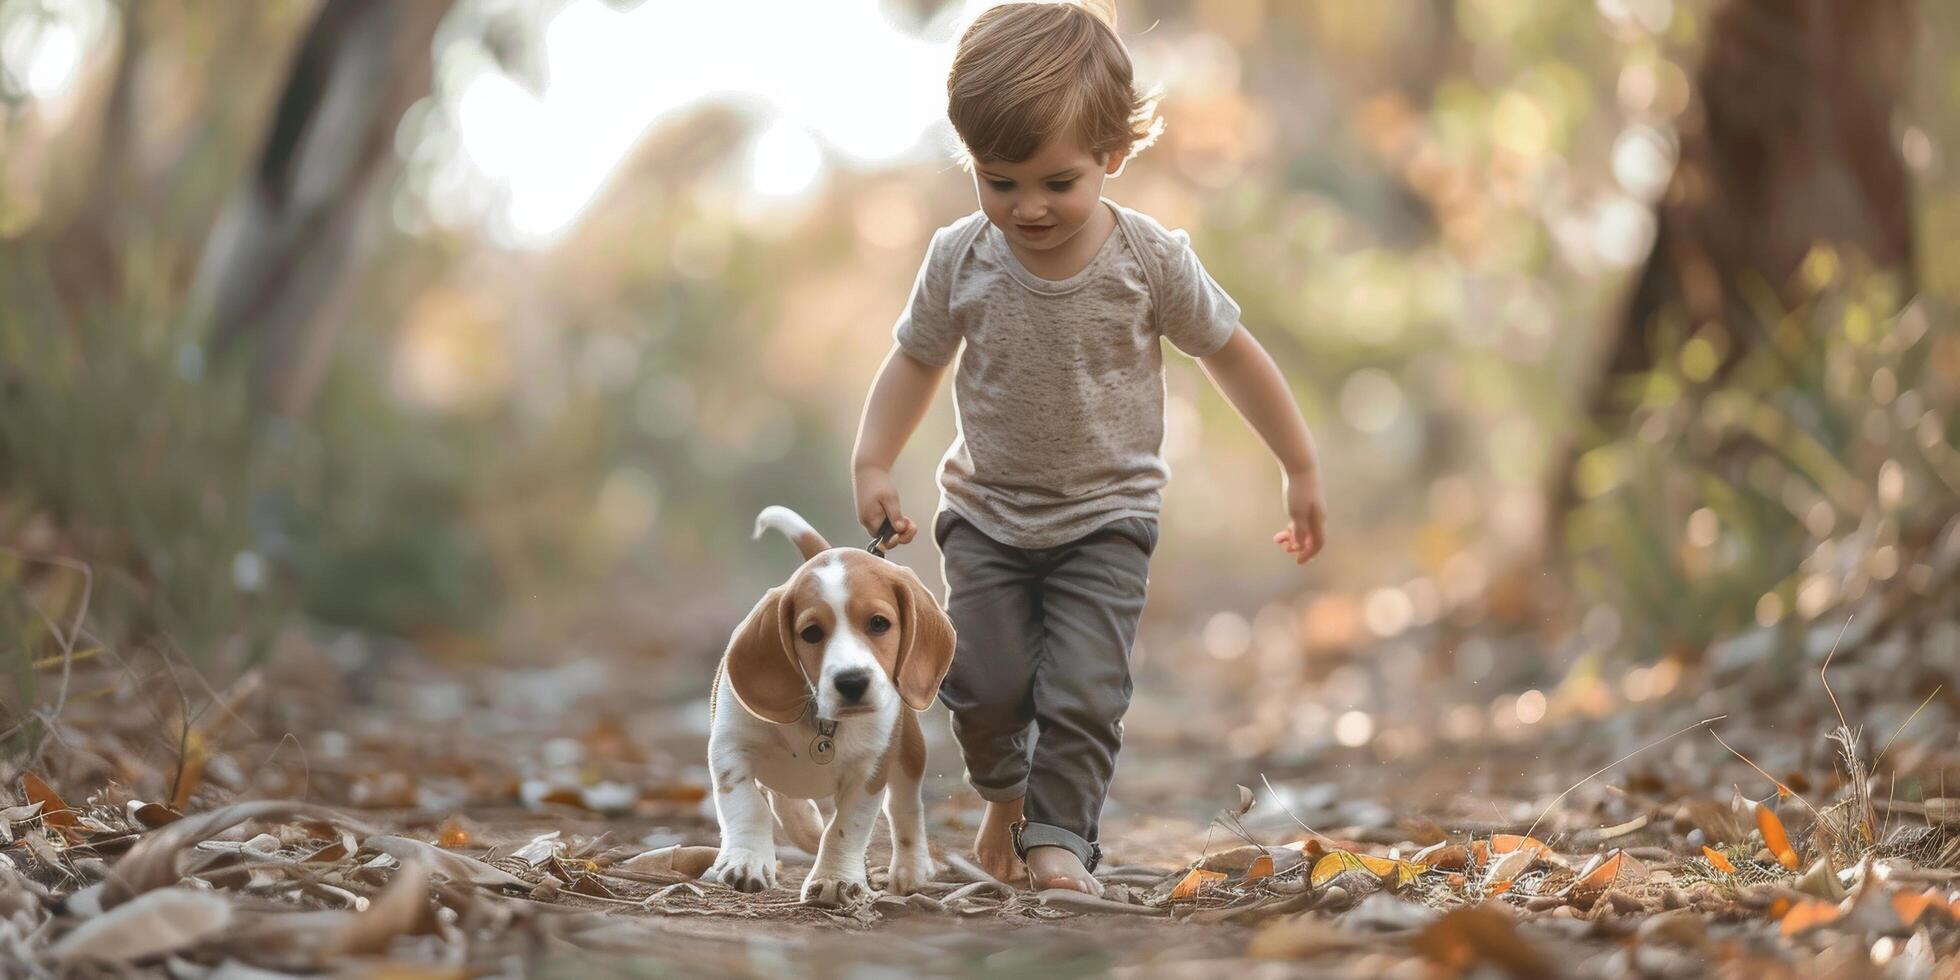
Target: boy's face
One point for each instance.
(1043, 201)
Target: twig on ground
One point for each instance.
(1568, 790)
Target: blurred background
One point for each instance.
(487, 326)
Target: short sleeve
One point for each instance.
(1193, 311)
(925, 329)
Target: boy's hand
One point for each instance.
(1303, 536)
(877, 502)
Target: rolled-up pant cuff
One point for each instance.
(1027, 835)
(999, 794)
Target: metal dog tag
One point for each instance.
(822, 750)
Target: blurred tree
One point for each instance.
(273, 274)
(1788, 152)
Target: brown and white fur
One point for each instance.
(876, 645)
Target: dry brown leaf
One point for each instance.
(1717, 860)
(1506, 843)
(153, 815)
(1193, 883)
(1506, 869)
(158, 922)
(152, 863)
(1262, 867)
(1482, 934)
(449, 864)
(401, 908)
(452, 834)
(1774, 836)
(1808, 914)
(1443, 856)
(1246, 800)
(1911, 908)
(1597, 878)
(55, 812)
(691, 861)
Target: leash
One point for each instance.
(823, 748)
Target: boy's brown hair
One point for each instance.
(1027, 71)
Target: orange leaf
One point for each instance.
(1809, 915)
(1912, 907)
(54, 811)
(1195, 881)
(1506, 843)
(1717, 859)
(452, 834)
(1599, 878)
(1774, 838)
(1262, 867)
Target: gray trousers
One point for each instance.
(1041, 674)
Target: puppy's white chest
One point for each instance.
(789, 765)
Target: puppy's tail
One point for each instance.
(794, 527)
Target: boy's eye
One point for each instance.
(1060, 186)
(1001, 185)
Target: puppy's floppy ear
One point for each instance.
(760, 670)
(925, 651)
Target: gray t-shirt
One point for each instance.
(1060, 390)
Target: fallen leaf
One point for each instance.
(152, 815)
(1598, 874)
(1246, 800)
(1506, 843)
(1194, 882)
(1774, 837)
(152, 863)
(691, 861)
(54, 811)
(157, 922)
(1482, 934)
(449, 864)
(1443, 856)
(452, 834)
(1392, 873)
(1808, 914)
(1262, 867)
(12, 815)
(1911, 908)
(401, 908)
(1717, 860)
(540, 849)
(1505, 870)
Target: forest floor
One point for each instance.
(361, 806)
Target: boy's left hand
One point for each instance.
(1303, 536)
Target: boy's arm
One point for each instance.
(898, 401)
(1246, 375)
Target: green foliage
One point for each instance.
(1796, 478)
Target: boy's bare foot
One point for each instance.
(1058, 867)
(993, 846)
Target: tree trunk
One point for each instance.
(1788, 146)
(285, 249)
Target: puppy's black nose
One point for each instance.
(852, 683)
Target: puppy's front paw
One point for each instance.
(743, 870)
(834, 893)
(909, 872)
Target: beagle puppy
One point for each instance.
(818, 696)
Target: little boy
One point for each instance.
(1050, 493)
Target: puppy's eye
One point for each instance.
(812, 634)
(879, 624)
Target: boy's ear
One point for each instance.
(1114, 165)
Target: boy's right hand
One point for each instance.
(877, 502)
